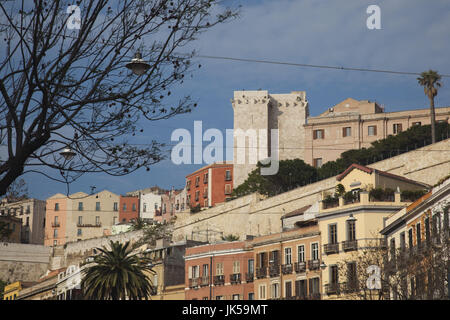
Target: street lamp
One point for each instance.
(351, 218)
(323, 265)
(68, 154)
(138, 65)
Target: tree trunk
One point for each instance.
(433, 120)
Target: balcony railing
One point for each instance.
(235, 278)
(249, 277)
(332, 288)
(204, 281)
(89, 225)
(350, 245)
(331, 248)
(286, 268)
(55, 224)
(274, 270)
(194, 282)
(313, 264)
(300, 267)
(219, 280)
(261, 272)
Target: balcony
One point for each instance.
(219, 280)
(286, 268)
(261, 272)
(249, 277)
(331, 248)
(274, 270)
(55, 225)
(235, 278)
(89, 225)
(300, 267)
(313, 264)
(194, 282)
(204, 281)
(332, 288)
(350, 245)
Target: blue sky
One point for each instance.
(414, 37)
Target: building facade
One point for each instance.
(32, 213)
(287, 264)
(220, 271)
(149, 201)
(13, 226)
(80, 216)
(128, 208)
(210, 185)
(350, 124)
(353, 222)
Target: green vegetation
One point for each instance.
(230, 237)
(429, 80)
(117, 274)
(296, 173)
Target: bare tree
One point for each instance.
(64, 84)
(18, 190)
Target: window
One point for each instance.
(80, 206)
(418, 235)
(300, 288)
(351, 231)
(351, 275)
(97, 220)
(55, 233)
(205, 272)
(346, 132)
(205, 178)
(188, 185)
(133, 207)
(402, 241)
(315, 251)
(372, 130)
(228, 189)
(97, 206)
(410, 238)
(236, 267)
(56, 206)
(79, 232)
(318, 134)
(219, 269)
(144, 208)
(114, 220)
(56, 220)
(197, 195)
(427, 229)
(197, 181)
(334, 276)
(288, 289)
(317, 162)
(397, 128)
(228, 175)
(332, 233)
(205, 203)
(418, 123)
(195, 272)
(55, 242)
(275, 290)
(314, 286)
(288, 256)
(80, 220)
(262, 292)
(124, 207)
(301, 253)
(156, 206)
(219, 297)
(115, 206)
(251, 266)
(28, 221)
(236, 296)
(251, 296)
(28, 209)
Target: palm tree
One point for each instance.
(428, 79)
(117, 275)
(138, 224)
(230, 237)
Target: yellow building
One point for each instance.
(12, 290)
(351, 222)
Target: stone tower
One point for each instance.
(258, 112)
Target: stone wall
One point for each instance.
(26, 262)
(254, 215)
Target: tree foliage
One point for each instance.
(429, 80)
(62, 87)
(117, 274)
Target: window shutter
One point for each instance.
(190, 272)
(314, 134)
(375, 130)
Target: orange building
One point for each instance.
(288, 264)
(128, 208)
(209, 185)
(222, 271)
(55, 220)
